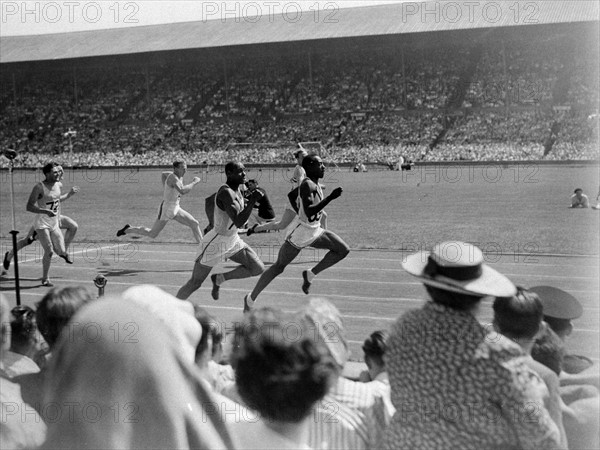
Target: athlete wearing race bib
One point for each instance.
(44, 200)
(307, 232)
(223, 242)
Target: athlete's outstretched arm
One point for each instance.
(180, 187)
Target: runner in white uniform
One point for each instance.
(64, 222)
(222, 242)
(307, 232)
(169, 208)
(289, 214)
(44, 201)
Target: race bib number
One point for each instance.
(53, 206)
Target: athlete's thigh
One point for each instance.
(184, 217)
(43, 235)
(287, 253)
(67, 222)
(330, 241)
(200, 271)
(58, 240)
(247, 257)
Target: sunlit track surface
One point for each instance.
(369, 287)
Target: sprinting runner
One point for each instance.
(64, 222)
(308, 232)
(45, 200)
(169, 208)
(222, 242)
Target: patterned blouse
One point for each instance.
(456, 386)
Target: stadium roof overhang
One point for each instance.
(382, 21)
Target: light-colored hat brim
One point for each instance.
(489, 283)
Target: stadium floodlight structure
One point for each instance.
(11, 154)
(70, 134)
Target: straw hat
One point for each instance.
(458, 267)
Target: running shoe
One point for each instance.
(215, 287)
(66, 258)
(305, 283)
(121, 232)
(247, 303)
(47, 283)
(6, 262)
(252, 230)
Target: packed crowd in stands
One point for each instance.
(491, 101)
(143, 369)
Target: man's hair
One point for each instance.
(231, 166)
(519, 316)
(57, 307)
(376, 345)
(48, 167)
(178, 164)
(22, 325)
(309, 161)
(454, 300)
(549, 349)
(281, 369)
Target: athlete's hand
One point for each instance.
(196, 180)
(50, 213)
(256, 195)
(74, 190)
(336, 193)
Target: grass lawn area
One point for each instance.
(519, 209)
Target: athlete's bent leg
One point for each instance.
(338, 250)
(199, 274)
(185, 218)
(71, 226)
(148, 232)
(287, 253)
(250, 265)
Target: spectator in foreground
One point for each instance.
(560, 309)
(21, 426)
(519, 318)
(453, 384)
(26, 343)
(352, 415)
(53, 313)
(145, 394)
(374, 350)
(279, 376)
(579, 199)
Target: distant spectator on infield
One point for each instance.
(579, 199)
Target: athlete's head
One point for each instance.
(52, 171)
(313, 165)
(235, 172)
(179, 167)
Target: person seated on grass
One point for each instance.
(280, 377)
(352, 415)
(21, 425)
(579, 199)
(27, 344)
(519, 318)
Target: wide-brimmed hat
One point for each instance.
(558, 303)
(458, 267)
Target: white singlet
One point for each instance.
(49, 200)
